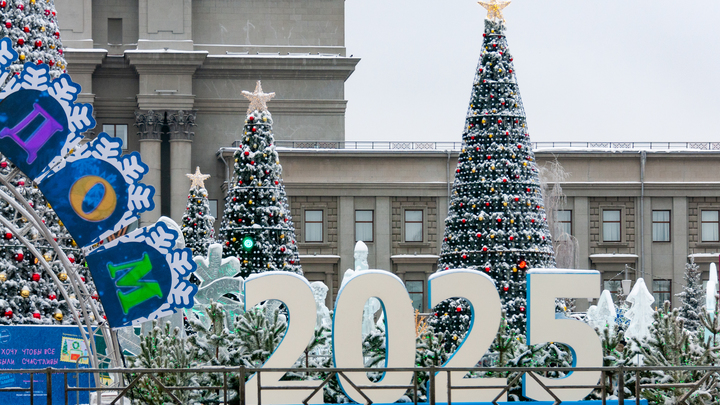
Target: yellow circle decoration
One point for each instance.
(79, 190)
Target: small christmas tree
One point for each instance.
(496, 222)
(692, 296)
(33, 28)
(197, 223)
(257, 227)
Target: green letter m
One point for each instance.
(142, 290)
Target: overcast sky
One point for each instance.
(614, 70)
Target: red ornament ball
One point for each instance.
(57, 34)
(519, 146)
(484, 248)
(247, 153)
(464, 256)
(26, 29)
(3, 164)
(19, 256)
(82, 278)
(251, 118)
(458, 309)
(71, 259)
(52, 297)
(487, 269)
(21, 42)
(522, 309)
(8, 24)
(36, 277)
(464, 220)
(276, 182)
(506, 288)
(499, 220)
(479, 235)
(21, 7)
(95, 296)
(38, 43)
(36, 315)
(3, 4)
(21, 183)
(511, 238)
(8, 235)
(9, 313)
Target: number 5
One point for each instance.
(543, 287)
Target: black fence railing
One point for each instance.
(624, 384)
(454, 146)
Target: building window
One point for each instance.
(710, 226)
(364, 226)
(615, 288)
(611, 225)
(118, 131)
(213, 208)
(115, 31)
(313, 226)
(413, 226)
(661, 226)
(563, 222)
(661, 292)
(416, 289)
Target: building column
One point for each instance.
(346, 235)
(581, 224)
(679, 226)
(181, 137)
(383, 233)
(149, 125)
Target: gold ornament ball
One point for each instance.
(25, 293)
(3, 277)
(62, 276)
(58, 316)
(47, 257)
(22, 56)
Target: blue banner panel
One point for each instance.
(33, 130)
(38, 347)
(133, 280)
(89, 195)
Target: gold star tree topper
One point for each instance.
(197, 178)
(494, 9)
(258, 99)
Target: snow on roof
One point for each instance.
(629, 256)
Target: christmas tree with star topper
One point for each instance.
(257, 227)
(197, 223)
(496, 221)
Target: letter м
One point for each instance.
(142, 290)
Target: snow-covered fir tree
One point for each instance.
(33, 28)
(257, 227)
(197, 223)
(692, 297)
(27, 294)
(496, 222)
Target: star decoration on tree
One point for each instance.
(258, 99)
(197, 178)
(494, 9)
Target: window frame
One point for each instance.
(656, 293)
(371, 222)
(619, 222)
(321, 222)
(114, 133)
(421, 222)
(421, 293)
(703, 222)
(558, 221)
(668, 222)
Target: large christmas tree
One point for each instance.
(496, 221)
(32, 26)
(27, 294)
(257, 227)
(197, 223)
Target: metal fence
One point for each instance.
(619, 383)
(442, 146)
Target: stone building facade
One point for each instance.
(167, 75)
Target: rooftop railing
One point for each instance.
(454, 146)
